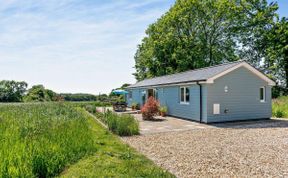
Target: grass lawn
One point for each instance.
(113, 159)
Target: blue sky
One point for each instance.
(76, 46)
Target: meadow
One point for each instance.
(280, 107)
(45, 139)
(39, 140)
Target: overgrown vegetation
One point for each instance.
(280, 107)
(38, 93)
(113, 159)
(39, 140)
(120, 124)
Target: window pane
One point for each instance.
(261, 93)
(182, 95)
(187, 95)
(156, 94)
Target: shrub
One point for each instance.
(163, 109)
(135, 105)
(279, 113)
(280, 107)
(150, 109)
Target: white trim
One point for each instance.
(264, 94)
(184, 102)
(247, 66)
(167, 85)
(216, 108)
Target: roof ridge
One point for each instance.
(239, 61)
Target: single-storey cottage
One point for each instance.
(226, 92)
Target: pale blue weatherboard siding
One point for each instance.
(136, 97)
(170, 97)
(242, 99)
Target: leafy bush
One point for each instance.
(150, 109)
(163, 109)
(280, 107)
(120, 124)
(135, 105)
(279, 113)
(39, 140)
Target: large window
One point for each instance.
(262, 94)
(184, 95)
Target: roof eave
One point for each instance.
(169, 84)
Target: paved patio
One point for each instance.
(167, 124)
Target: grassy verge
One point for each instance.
(280, 107)
(123, 125)
(113, 159)
(40, 140)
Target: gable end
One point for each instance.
(247, 66)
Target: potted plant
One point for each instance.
(163, 111)
(134, 106)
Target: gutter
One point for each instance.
(201, 114)
(168, 84)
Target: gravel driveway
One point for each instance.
(253, 149)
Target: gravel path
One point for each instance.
(225, 152)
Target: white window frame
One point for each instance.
(264, 94)
(184, 102)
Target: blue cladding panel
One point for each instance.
(170, 97)
(136, 97)
(242, 99)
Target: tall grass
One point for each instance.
(280, 107)
(120, 124)
(39, 140)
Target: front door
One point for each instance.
(150, 93)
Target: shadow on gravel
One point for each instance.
(254, 124)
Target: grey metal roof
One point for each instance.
(188, 76)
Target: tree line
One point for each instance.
(14, 91)
(195, 34)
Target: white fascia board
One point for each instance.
(247, 66)
(168, 85)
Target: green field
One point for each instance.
(43, 140)
(280, 107)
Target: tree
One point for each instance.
(277, 51)
(12, 91)
(38, 93)
(195, 34)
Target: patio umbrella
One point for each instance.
(120, 92)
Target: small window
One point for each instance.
(184, 95)
(187, 95)
(262, 94)
(216, 108)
